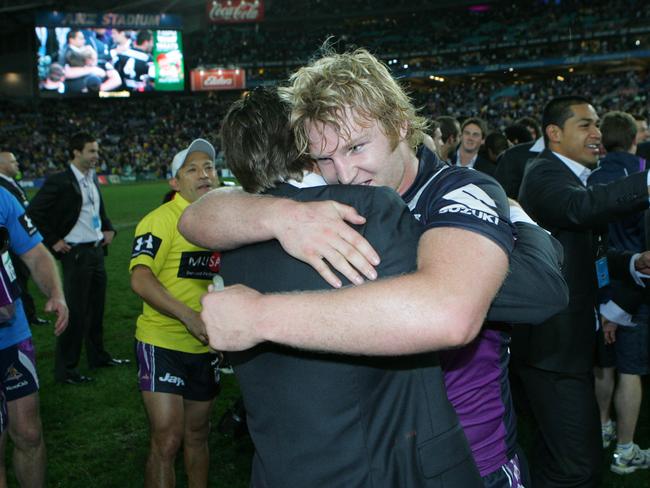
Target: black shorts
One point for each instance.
(192, 376)
(630, 352)
(18, 369)
(507, 476)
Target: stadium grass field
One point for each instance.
(97, 434)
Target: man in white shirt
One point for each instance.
(472, 136)
(69, 212)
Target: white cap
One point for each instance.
(197, 145)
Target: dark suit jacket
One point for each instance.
(558, 201)
(511, 165)
(55, 208)
(338, 421)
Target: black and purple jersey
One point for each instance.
(476, 376)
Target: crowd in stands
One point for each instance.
(137, 137)
(422, 37)
(500, 103)
(142, 137)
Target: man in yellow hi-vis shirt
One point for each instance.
(178, 376)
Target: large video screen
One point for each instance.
(83, 59)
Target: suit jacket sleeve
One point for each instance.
(535, 289)
(554, 197)
(106, 222)
(510, 168)
(40, 210)
(629, 297)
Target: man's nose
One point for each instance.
(345, 173)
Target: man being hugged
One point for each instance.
(177, 374)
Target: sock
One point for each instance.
(625, 448)
(607, 425)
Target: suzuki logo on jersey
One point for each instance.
(199, 265)
(174, 380)
(147, 244)
(472, 200)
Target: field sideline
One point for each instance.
(97, 435)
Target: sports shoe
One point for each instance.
(628, 463)
(609, 433)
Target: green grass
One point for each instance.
(97, 435)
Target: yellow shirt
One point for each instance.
(184, 269)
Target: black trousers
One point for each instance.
(84, 285)
(568, 446)
(22, 275)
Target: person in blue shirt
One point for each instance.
(17, 358)
(623, 345)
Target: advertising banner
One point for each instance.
(218, 79)
(168, 60)
(235, 11)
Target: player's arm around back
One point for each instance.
(313, 232)
(441, 305)
(227, 218)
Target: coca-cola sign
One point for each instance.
(217, 79)
(233, 11)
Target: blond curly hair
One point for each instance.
(358, 82)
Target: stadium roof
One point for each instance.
(162, 6)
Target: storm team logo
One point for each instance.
(12, 374)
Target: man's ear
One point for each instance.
(174, 184)
(403, 131)
(554, 133)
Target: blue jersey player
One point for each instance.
(17, 359)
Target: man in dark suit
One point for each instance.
(472, 136)
(69, 212)
(8, 171)
(555, 359)
(378, 421)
